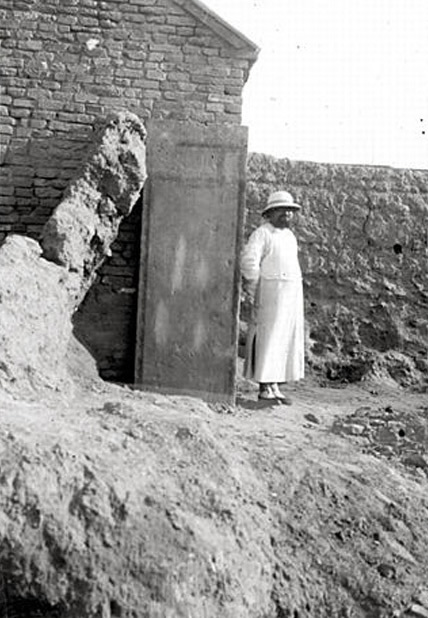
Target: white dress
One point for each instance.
(275, 345)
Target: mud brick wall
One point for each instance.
(66, 63)
(63, 64)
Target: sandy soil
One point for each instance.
(318, 509)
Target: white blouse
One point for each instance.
(271, 253)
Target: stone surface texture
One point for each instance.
(80, 232)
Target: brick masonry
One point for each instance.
(65, 64)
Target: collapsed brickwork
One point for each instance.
(42, 284)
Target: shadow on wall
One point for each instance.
(106, 320)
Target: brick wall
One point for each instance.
(65, 63)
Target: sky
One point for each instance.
(339, 81)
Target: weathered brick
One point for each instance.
(7, 200)
(113, 102)
(46, 172)
(110, 15)
(178, 77)
(9, 218)
(135, 64)
(171, 95)
(6, 190)
(51, 105)
(151, 94)
(185, 32)
(38, 124)
(44, 26)
(55, 125)
(232, 108)
(211, 51)
(30, 45)
(88, 21)
(23, 192)
(155, 57)
(186, 86)
(205, 79)
(68, 20)
(44, 114)
(12, 62)
(73, 107)
(122, 72)
(97, 110)
(232, 90)
(7, 120)
(145, 84)
(180, 20)
(155, 74)
(23, 103)
(22, 181)
(8, 71)
(164, 47)
(84, 78)
(23, 131)
(16, 92)
(9, 43)
(203, 117)
(48, 86)
(47, 192)
(215, 107)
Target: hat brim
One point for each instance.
(293, 206)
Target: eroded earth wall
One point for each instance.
(363, 235)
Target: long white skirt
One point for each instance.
(275, 343)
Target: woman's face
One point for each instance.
(280, 217)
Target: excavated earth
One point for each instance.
(117, 502)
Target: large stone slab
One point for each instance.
(189, 284)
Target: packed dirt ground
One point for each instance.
(124, 503)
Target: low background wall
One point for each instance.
(363, 235)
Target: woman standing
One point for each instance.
(270, 265)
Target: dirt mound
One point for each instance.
(120, 503)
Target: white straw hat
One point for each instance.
(280, 199)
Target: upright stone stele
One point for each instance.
(189, 278)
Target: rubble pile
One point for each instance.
(41, 285)
(397, 434)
